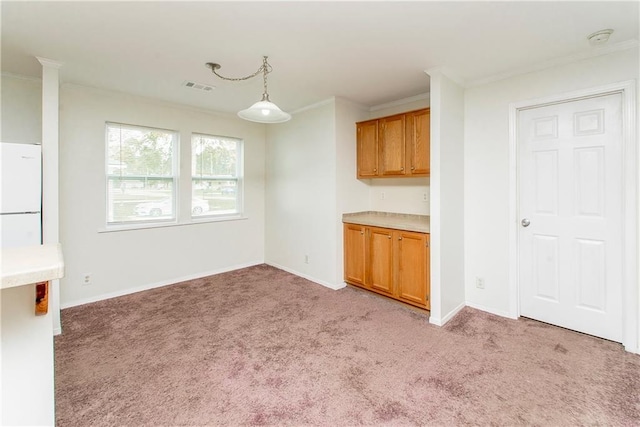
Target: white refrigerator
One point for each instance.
(21, 197)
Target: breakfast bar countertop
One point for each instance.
(407, 222)
(31, 264)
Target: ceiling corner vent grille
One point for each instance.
(197, 86)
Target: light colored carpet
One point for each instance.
(259, 346)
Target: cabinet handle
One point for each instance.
(399, 237)
(413, 168)
(389, 236)
(362, 232)
(402, 169)
(375, 169)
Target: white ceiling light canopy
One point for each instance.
(599, 37)
(263, 111)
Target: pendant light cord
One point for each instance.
(263, 111)
(265, 68)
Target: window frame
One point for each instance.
(181, 215)
(238, 178)
(174, 177)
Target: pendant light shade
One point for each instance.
(263, 111)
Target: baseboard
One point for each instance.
(500, 313)
(335, 287)
(444, 319)
(149, 286)
(631, 350)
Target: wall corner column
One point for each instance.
(447, 195)
(50, 170)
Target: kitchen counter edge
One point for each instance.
(396, 221)
(32, 264)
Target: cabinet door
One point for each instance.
(412, 267)
(354, 254)
(380, 260)
(392, 145)
(367, 137)
(418, 137)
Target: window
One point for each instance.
(141, 174)
(216, 164)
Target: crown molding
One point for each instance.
(314, 105)
(592, 53)
(150, 100)
(447, 72)
(21, 77)
(49, 62)
(399, 102)
(341, 100)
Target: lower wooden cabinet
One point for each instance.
(391, 262)
(380, 271)
(354, 245)
(412, 259)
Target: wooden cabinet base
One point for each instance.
(419, 307)
(389, 262)
(42, 298)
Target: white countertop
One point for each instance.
(31, 264)
(408, 222)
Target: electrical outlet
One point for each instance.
(382, 195)
(86, 279)
(479, 283)
(306, 259)
(425, 197)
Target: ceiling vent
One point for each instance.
(197, 86)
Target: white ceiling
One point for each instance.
(368, 52)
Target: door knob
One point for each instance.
(525, 222)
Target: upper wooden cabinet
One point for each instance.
(367, 149)
(418, 147)
(394, 146)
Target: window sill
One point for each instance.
(192, 221)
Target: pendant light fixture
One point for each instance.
(263, 111)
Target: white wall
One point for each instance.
(486, 154)
(447, 186)
(399, 195)
(352, 194)
(301, 199)
(21, 104)
(311, 183)
(123, 261)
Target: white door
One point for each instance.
(570, 207)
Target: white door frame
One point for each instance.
(630, 209)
